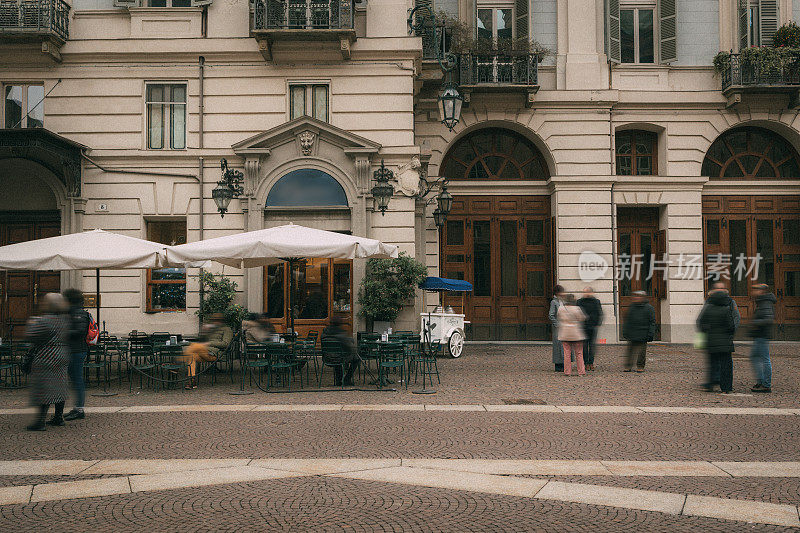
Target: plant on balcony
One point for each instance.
(787, 36)
(388, 285)
(462, 40)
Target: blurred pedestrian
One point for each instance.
(716, 321)
(761, 332)
(257, 328)
(215, 337)
(335, 334)
(78, 327)
(711, 363)
(639, 328)
(48, 360)
(555, 304)
(571, 333)
(593, 310)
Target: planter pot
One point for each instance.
(380, 326)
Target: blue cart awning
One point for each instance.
(444, 284)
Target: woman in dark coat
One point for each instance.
(716, 321)
(49, 359)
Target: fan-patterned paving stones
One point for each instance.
(331, 504)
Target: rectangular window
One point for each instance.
(636, 153)
(637, 35)
(495, 21)
(169, 3)
(166, 287)
(308, 100)
(166, 116)
(24, 106)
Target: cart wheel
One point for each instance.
(455, 346)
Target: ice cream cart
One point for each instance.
(444, 325)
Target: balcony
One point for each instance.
(506, 71)
(760, 71)
(303, 21)
(35, 21)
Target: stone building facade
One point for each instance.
(621, 143)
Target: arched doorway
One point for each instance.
(754, 238)
(322, 287)
(502, 244)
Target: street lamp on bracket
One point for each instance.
(227, 188)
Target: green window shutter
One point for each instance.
(522, 18)
(744, 27)
(612, 31)
(667, 18)
(768, 19)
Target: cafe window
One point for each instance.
(308, 100)
(321, 287)
(166, 287)
(166, 116)
(636, 153)
(24, 106)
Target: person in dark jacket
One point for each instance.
(594, 318)
(639, 328)
(335, 333)
(48, 360)
(761, 332)
(78, 327)
(713, 364)
(555, 304)
(716, 321)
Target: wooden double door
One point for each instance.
(20, 290)
(756, 239)
(503, 246)
(639, 244)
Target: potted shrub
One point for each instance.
(220, 293)
(388, 285)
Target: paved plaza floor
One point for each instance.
(505, 444)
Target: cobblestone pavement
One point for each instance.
(490, 374)
(486, 375)
(326, 504)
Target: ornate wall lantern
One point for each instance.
(382, 191)
(450, 102)
(227, 188)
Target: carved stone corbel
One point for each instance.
(252, 167)
(363, 165)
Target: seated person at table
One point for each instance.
(336, 333)
(215, 337)
(257, 329)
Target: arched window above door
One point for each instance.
(494, 154)
(307, 187)
(751, 153)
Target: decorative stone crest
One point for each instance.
(408, 176)
(307, 139)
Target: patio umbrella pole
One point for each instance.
(105, 392)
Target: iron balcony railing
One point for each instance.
(303, 15)
(507, 68)
(751, 72)
(34, 17)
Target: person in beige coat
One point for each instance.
(571, 334)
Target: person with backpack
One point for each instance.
(638, 329)
(80, 323)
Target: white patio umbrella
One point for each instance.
(275, 245)
(94, 249)
(278, 244)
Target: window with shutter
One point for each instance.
(522, 18)
(127, 3)
(744, 24)
(612, 31)
(667, 14)
(768, 21)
